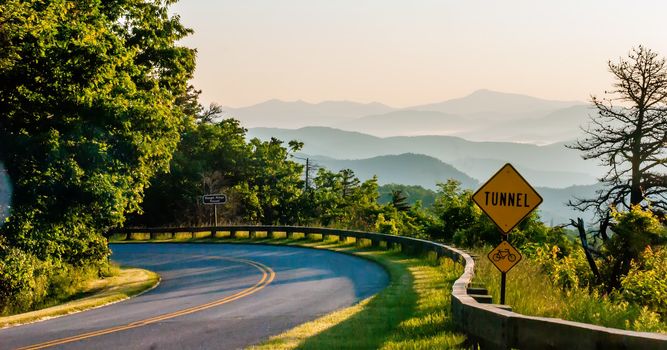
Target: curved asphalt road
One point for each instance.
(212, 296)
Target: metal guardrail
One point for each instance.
(486, 325)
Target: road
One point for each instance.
(212, 296)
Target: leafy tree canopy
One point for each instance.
(88, 115)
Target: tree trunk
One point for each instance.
(635, 186)
(584, 243)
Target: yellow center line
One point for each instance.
(268, 275)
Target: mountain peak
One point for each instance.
(485, 101)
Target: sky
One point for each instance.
(404, 53)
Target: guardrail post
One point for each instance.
(232, 233)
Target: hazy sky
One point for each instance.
(404, 53)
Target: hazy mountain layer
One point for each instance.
(275, 113)
(483, 102)
(410, 123)
(483, 115)
(341, 144)
(481, 169)
(554, 210)
(560, 125)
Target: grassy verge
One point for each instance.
(413, 312)
(530, 292)
(100, 292)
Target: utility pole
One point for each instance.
(307, 171)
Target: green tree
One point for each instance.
(341, 199)
(210, 159)
(455, 209)
(273, 182)
(88, 114)
(634, 231)
(413, 194)
(348, 181)
(399, 201)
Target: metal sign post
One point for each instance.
(215, 200)
(506, 198)
(503, 279)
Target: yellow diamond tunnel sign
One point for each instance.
(507, 198)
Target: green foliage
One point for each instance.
(413, 193)
(645, 283)
(28, 283)
(399, 201)
(88, 114)
(276, 181)
(341, 199)
(457, 213)
(634, 230)
(409, 222)
(565, 271)
(637, 300)
(262, 184)
(536, 287)
(207, 160)
(459, 220)
(18, 285)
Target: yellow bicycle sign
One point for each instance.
(504, 256)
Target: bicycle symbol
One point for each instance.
(502, 254)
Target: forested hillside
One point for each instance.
(339, 144)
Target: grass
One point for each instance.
(412, 312)
(128, 282)
(530, 292)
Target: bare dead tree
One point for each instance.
(628, 136)
(208, 115)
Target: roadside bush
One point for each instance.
(28, 283)
(565, 271)
(20, 284)
(633, 231)
(645, 284)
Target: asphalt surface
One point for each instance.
(212, 296)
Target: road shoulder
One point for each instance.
(130, 282)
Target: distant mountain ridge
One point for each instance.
(276, 113)
(483, 115)
(485, 101)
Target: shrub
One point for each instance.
(28, 283)
(19, 287)
(645, 284)
(565, 271)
